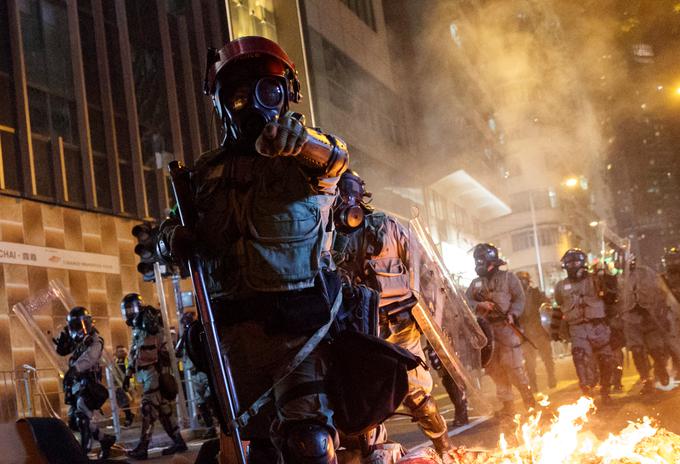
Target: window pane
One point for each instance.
(89, 53)
(64, 119)
(97, 134)
(127, 183)
(37, 107)
(10, 161)
(152, 193)
(74, 175)
(33, 41)
(7, 114)
(102, 180)
(44, 169)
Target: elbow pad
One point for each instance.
(325, 153)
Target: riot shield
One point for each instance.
(35, 314)
(443, 315)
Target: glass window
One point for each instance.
(44, 168)
(10, 160)
(74, 175)
(102, 180)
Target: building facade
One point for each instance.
(96, 96)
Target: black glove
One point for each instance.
(126, 382)
(64, 343)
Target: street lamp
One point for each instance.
(571, 182)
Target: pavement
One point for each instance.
(483, 431)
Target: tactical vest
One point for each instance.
(641, 289)
(384, 270)
(146, 345)
(261, 224)
(495, 288)
(580, 301)
(81, 348)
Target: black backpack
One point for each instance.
(367, 380)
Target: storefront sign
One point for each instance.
(18, 253)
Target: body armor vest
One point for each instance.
(641, 289)
(580, 300)
(145, 344)
(263, 225)
(495, 288)
(381, 244)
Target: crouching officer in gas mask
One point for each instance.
(150, 363)
(82, 388)
(580, 302)
(263, 233)
(376, 254)
(497, 296)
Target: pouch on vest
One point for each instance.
(367, 380)
(594, 307)
(284, 245)
(95, 395)
(148, 351)
(388, 275)
(359, 310)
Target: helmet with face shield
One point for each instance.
(79, 323)
(130, 307)
(251, 81)
(575, 262)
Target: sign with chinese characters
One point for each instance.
(18, 253)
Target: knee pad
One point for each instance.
(309, 443)
(426, 414)
(147, 408)
(82, 421)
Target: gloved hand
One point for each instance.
(484, 308)
(283, 137)
(126, 382)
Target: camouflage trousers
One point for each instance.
(154, 406)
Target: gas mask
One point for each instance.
(348, 212)
(246, 107)
(487, 259)
(576, 269)
(483, 267)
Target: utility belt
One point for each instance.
(399, 311)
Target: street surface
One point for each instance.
(483, 432)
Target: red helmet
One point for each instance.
(250, 47)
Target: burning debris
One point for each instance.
(565, 441)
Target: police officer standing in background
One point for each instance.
(530, 321)
(150, 363)
(377, 255)
(644, 324)
(497, 296)
(82, 388)
(122, 394)
(580, 302)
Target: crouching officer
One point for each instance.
(82, 388)
(580, 302)
(497, 296)
(376, 254)
(150, 362)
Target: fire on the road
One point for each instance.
(567, 442)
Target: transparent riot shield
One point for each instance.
(443, 315)
(35, 314)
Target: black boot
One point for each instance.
(660, 371)
(106, 442)
(140, 452)
(178, 446)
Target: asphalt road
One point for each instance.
(629, 405)
(483, 432)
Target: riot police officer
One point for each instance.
(645, 329)
(263, 233)
(497, 296)
(149, 362)
(581, 304)
(376, 254)
(122, 392)
(530, 321)
(82, 388)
